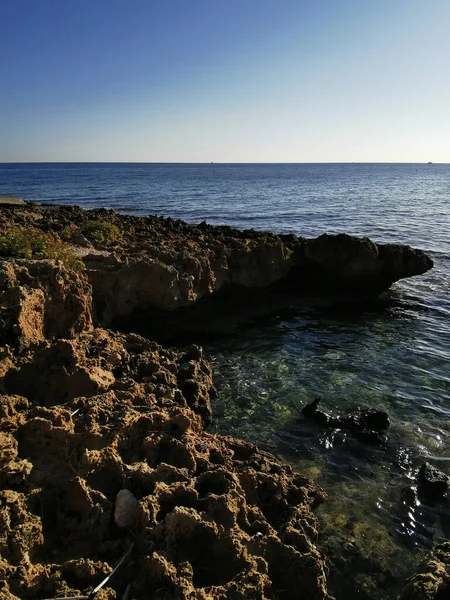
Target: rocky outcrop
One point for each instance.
(367, 425)
(345, 262)
(432, 484)
(42, 300)
(432, 579)
(213, 517)
(164, 264)
(12, 201)
(104, 456)
(143, 283)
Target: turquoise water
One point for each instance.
(394, 356)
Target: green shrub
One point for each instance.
(101, 232)
(31, 243)
(69, 231)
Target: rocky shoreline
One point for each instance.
(87, 413)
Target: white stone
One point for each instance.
(126, 512)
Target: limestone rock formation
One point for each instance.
(345, 262)
(155, 263)
(103, 449)
(432, 579)
(41, 299)
(213, 517)
(104, 455)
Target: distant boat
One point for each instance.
(429, 163)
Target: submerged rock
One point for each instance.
(367, 425)
(432, 484)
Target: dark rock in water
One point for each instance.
(346, 262)
(378, 420)
(370, 419)
(432, 483)
(409, 495)
(365, 424)
(369, 436)
(311, 411)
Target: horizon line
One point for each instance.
(142, 162)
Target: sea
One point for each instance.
(393, 356)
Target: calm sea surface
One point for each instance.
(396, 357)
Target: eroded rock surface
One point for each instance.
(164, 264)
(103, 448)
(346, 262)
(103, 451)
(215, 517)
(42, 300)
(432, 579)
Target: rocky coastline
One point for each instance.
(105, 456)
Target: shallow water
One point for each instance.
(395, 357)
(266, 376)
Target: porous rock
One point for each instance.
(42, 300)
(432, 578)
(162, 264)
(87, 414)
(214, 517)
(432, 484)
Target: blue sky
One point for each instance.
(225, 80)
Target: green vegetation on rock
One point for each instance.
(101, 232)
(28, 242)
(69, 231)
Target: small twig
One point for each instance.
(121, 561)
(100, 585)
(75, 412)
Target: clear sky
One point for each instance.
(225, 80)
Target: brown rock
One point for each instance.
(432, 579)
(160, 264)
(215, 517)
(42, 300)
